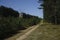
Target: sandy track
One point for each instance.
(29, 32)
(26, 34)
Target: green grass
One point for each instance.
(45, 32)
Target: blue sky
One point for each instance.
(27, 6)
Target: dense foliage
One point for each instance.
(10, 22)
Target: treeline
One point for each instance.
(4, 11)
(11, 21)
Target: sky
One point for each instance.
(26, 6)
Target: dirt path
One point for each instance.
(26, 34)
(29, 32)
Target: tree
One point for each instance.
(5, 11)
(51, 11)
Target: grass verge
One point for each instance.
(45, 32)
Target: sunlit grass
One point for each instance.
(45, 32)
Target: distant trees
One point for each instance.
(27, 15)
(4, 11)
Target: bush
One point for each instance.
(9, 26)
